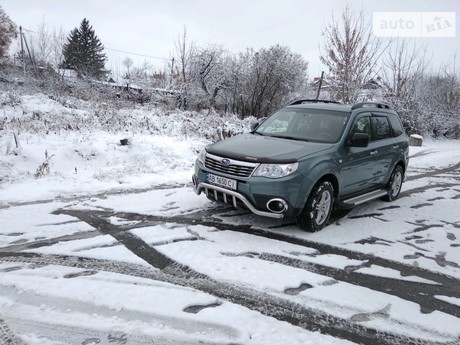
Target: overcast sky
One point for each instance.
(150, 27)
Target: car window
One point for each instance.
(380, 127)
(396, 125)
(305, 124)
(278, 124)
(363, 126)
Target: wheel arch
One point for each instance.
(403, 166)
(317, 210)
(321, 170)
(326, 177)
(335, 183)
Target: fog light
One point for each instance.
(277, 205)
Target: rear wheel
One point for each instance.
(318, 208)
(395, 183)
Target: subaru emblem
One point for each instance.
(225, 161)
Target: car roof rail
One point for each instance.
(370, 105)
(303, 100)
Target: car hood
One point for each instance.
(265, 149)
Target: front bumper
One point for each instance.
(228, 196)
(258, 194)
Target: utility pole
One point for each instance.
(319, 85)
(28, 52)
(22, 52)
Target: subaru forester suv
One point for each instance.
(307, 158)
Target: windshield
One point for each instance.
(315, 125)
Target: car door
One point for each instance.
(383, 148)
(357, 164)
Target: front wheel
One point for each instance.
(318, 208)
(395, 183)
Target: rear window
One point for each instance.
(396, 125)
(381, 127)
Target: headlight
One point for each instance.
(276, 170)
(201, 157)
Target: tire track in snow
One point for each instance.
(453, 169)
(170, 271)
(7, 337)
(86, 196)
(279, 308)
(406, 270)
(411, 291)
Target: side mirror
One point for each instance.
(359, 140)
(254, 126)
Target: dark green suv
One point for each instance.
(307, 158)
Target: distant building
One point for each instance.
(67, 73)
(372, 84)
(324, 85)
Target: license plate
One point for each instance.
(221, 181)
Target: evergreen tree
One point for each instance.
(84, 52)
(8, 32)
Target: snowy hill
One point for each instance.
(50, 147)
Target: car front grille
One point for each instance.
(233, 167)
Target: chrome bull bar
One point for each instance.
(212, 190)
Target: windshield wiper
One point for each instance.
(289, 138)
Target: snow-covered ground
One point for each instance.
(86, 156)
(111, 245)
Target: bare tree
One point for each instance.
(350, 53)
(401, 62)
(128, 62)
(208, 70)
(428, 101)
(46, 45)
(403, 70)
(44, 54)
(270, 78)
(142, 74)
(451, 89)
(8, 32)
(41, 45)
(182, 56)
(58, 38)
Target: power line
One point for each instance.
(137, 54)
(115, 50)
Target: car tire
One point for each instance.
(394, 184)
(318, 208)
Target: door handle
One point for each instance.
(395, 147)
(373, 153)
